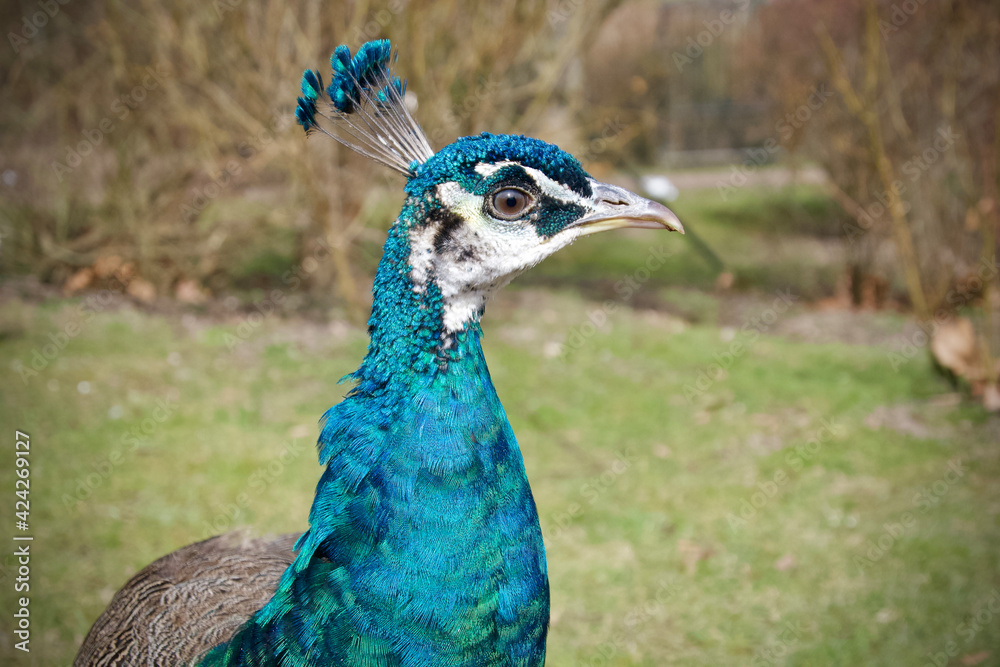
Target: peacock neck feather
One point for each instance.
(424, 546)
(409, 343)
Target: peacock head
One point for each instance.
(482, 209)
(485, 208)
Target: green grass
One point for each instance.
(768, 238)
(637, 485)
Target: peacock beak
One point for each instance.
(614, 207)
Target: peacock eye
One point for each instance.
(510, 203)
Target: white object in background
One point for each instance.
(660, 187)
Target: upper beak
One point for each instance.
(615, 207)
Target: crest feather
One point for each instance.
(365, 107)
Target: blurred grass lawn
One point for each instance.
(769, 238)
(637, 486)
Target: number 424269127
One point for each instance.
(22, 485)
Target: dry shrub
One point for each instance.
(910, 140)
(162, 133)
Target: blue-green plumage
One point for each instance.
(365, 70)
(424, 546)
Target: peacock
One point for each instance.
(424, 545)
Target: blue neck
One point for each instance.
(424, 544)
(405, 324)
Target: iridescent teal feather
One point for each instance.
(365, 107)
(368, 70)
(312, 88)
(424, 546)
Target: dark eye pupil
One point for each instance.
(510, 202)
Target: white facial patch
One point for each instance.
(482, 254)
(460, 201)
(421, 256)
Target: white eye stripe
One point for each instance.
(545, 184)
(552, 188)
(487, 170)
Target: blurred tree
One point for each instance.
(162, 133)
(911, 143)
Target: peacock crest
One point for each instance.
(424, 545)
(364, 108)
